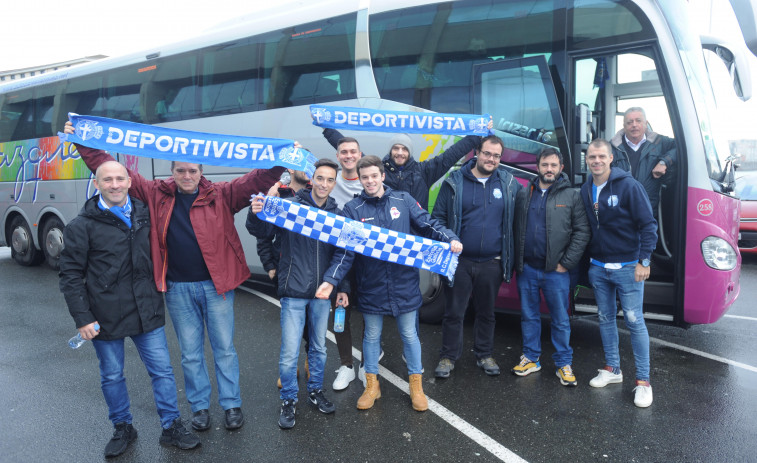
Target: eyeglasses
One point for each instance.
(486, 154)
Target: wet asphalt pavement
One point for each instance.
(704, 380)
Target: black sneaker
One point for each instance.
(123, 435)
(317, 399)
(178, 436)
(286, 417)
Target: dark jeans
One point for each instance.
(481, 281)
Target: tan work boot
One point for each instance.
(420, 403)
(371, 393)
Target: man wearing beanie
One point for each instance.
(404, 173)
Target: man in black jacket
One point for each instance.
(551, 233)
(106, 278)
(301, 265)
(404, 173)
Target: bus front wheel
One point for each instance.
(22, 244)
(432, 289)
(52, 235)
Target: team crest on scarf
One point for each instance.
(89, 129)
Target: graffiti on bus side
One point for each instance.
(26, 163)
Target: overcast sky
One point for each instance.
(37, 32)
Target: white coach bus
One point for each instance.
(550, 72)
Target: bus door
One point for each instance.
(605, 86)
(520, 96)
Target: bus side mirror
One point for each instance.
(746, 15)
(736, 63)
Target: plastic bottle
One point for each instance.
(339, 319)
(77, 341)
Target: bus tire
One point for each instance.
(23, 250)
(52, 236)
(434, 302)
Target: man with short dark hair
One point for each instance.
(477, 203)
(199, 261)
(302, 263)
(624, 233)
(104, 276)
(551, 233)
(386, 288)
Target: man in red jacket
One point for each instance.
(198, 261)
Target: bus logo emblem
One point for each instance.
(705, 207)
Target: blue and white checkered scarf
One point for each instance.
(366, 239)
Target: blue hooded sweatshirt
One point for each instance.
(623, 228)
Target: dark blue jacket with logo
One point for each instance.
(386, 288)
(623, 228)
(449, 206)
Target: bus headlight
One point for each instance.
(718, 254)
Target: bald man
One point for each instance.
(106, 278)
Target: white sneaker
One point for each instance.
(344, 377)
(361, 369)
(643, 397)
(606, 377)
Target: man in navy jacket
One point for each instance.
(386, 288)
(477, 203)
(624, 234)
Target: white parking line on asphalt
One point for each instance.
(686, 349)
(470, 431)
(740, 317)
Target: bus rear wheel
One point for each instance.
(22, 244)
(52, 235)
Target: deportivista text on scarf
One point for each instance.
(187, 146)
(362, 238)
(343, 118)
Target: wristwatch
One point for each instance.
(644, 262)
(662, 161)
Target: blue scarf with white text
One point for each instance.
(343, 118)
(187, 146)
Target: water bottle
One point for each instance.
(339, 319)
(77, 341)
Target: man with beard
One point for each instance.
(477, 204)
(551, 233)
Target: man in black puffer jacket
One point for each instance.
(551, 233)
(301, 266)
(106, 276)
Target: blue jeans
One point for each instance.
(294, 315)
(372, 341)
(608, 283)
(556, 289)
(194, 306)
(153, 350)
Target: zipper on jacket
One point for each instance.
(164, 270)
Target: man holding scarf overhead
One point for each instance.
(198, 262)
